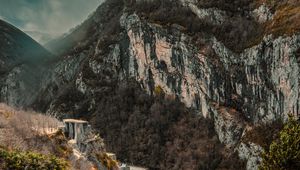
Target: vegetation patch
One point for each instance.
(107, 161)
(153, 131)
(284, 152)
(237, 33)
(264, 134)
(60, 144)
(240, 31)
(285, 21)
(158, 91)
(18, 160)
(28, 137)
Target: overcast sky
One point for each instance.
(53, 17)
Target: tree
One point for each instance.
(284, 153)
(158, 91)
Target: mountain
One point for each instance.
(141, 70)
(21, 65)
(180, 84)
(76, 36)
(41, 37)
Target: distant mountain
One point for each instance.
(18, 47)
(22, 62)
(67, 41)
(41, 37)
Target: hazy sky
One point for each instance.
(53, 17)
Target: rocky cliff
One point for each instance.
(235, 65)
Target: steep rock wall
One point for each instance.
(261, 82)
(257, 85)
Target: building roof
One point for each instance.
(74, 121)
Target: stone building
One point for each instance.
(75, 129)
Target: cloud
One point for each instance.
(48, 16)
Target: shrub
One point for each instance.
(59, 144)
(107, 161)
(284, 153)
(28, 160)
(158, 91)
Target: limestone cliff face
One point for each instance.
(258, 85)
(260, 82)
